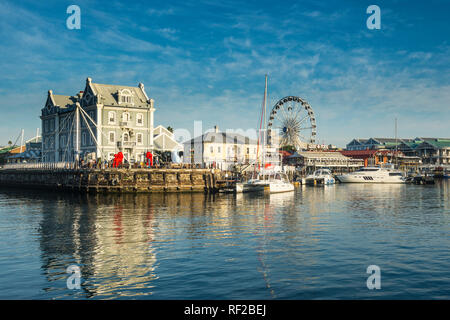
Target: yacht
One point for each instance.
(321, 176)
(252, 185)
(373, 175)
(272, 182)
(279, 182)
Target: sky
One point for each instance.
(206, 61)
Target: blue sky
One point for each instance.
(206, 60)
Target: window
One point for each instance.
(139, 138)
(111, 117)
(248, 150)
(83, 138)
(211, 149)
(91, 114)
(112, 137)
(125, 96)
(218, 149)
(125, 116)
(125, 137)
(139, 119)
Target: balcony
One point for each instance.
(126, 144)
(125, 124)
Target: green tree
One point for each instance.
(170, 129)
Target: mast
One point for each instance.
(396, 143)
(265, 124)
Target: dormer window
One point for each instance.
(125, 96)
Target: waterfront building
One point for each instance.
(309, 161)
(372, 157)
(220, 149)
(111, 118)
(433, 151)
(29, 153)
(373, 143)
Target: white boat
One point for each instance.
(373, 175)
(274, 182)
(280, 183)
(252, 185)
(321, 176)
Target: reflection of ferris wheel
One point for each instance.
(292, 120)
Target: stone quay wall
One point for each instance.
(114, 180)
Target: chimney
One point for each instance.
(216, 129)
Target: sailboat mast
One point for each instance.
(396, 143)
(265, 124)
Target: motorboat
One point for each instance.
(373, 175)
(252, 185)
(273, 182)
(321, 176)
(279, 182)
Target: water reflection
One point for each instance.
(302, 244)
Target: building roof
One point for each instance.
(437, 143)
(64, 101)
(164, 140)
(222, 137)
(7, 149)
(29, 154)
(108, 94)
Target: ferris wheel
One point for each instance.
(292, 123)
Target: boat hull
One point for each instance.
(280, 187)
(351, 179)
(250, 187)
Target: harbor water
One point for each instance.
(314, 243)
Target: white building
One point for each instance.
(109, 118)
(220, 149)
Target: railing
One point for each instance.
(127, 144)
(40, 165)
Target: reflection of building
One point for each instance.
(220, 148)
(111, 243)
(123, 118)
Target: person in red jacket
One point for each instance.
(149, 157)
(119, 158)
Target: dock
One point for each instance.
(113, 180)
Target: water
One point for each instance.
(315, 243)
